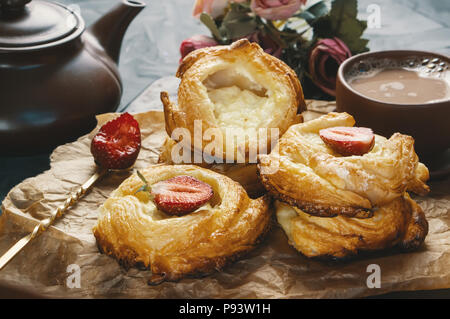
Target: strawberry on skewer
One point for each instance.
(117, 144)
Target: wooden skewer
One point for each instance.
(45, 223)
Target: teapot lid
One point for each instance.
(25, 24)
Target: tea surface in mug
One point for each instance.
(403, 85)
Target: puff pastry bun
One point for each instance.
(239, 87)
(304, 172)
(401, 223)
(336, 206)
(135, 232)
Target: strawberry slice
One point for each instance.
(118, 142)
(348, 141)
(181, 195)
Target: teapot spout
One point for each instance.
(110, 29)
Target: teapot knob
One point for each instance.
(13, 5)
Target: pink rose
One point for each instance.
(276, 9)
(324, 61)
(266, 43)
(214, 8)
(194, 43)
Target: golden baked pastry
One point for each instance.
(304, 172)
(131, 228)
(239, 87)
(244, 174)
(401, 223)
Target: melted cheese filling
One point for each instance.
(237, 100)
(234, 107)
(285, 214)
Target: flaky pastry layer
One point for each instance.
(304, 172)
(131, 228)
(239, 87)
(400, 223)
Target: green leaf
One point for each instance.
(208, 21)
(307, 16)
(237, 23)
(319, 9)
(142, 177)
(245, 5)
(145, 187)
(314, 12)
(341, 22)
(352, 37)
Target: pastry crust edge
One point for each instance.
(126, 256)
(312, 208)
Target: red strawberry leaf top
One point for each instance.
(348, 141)
(179, 195)
(117, 143)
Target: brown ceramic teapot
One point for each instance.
(55, 76)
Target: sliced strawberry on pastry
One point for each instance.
(348, 140)
(117, 144)
(181, 195)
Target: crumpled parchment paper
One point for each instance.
(273, 270)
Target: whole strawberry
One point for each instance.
(117, 143)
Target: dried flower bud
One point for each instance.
(324, 61)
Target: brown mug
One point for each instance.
(428, 124)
